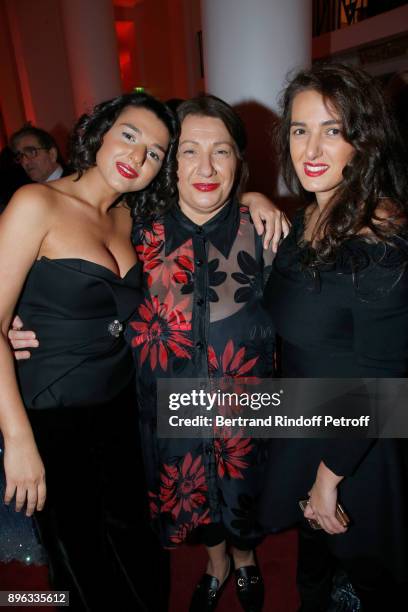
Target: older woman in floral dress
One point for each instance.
(202, 317)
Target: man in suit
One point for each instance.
(38, 153)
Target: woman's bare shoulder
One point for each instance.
(31, 205)
(37, 194)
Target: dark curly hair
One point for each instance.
(211, 106)
(377, 170)
(88, 136)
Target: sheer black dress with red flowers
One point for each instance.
(201, 317)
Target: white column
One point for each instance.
(250, 45)
(92, 51)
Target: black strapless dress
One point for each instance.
(76, 387)
(76, 308)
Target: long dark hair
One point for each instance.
(377, 169)
(211, 106)
(88, 136)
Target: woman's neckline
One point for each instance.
(92, 263)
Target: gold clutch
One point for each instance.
(341, 515)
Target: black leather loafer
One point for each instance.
(250, 588)
(208, 592)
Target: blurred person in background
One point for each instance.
(12, 176)
(38, 153)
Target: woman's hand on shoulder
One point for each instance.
(25, 474)
(323, 500)
(268, 220)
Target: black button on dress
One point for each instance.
(77, 309)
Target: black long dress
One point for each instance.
(347, 320)
(75, 389)
(201, 317)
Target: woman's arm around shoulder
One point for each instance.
(268, 220)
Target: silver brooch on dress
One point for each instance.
(115, 328)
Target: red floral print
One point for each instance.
(163, 330)
(232, 370)
(183, 486)
(184, 529)
(230, 365)
(229, 453)
(244, 218)
(150, 250)
(184, 274)
(159, 268)
(153, 505)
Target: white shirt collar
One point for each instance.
(55, 175)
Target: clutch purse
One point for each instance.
(341, 515)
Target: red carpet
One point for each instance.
(277, 558)
(18, 577)
(276, 555)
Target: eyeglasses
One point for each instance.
(28, 153)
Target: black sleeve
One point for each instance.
(381, 331)
(380, 321)
(344, 456)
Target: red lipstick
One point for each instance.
(126, 170)
(314, 170)
(206, 186)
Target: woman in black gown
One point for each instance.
(338, 295)
(69, 265)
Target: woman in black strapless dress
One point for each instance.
(69, 266)
(338, 295)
